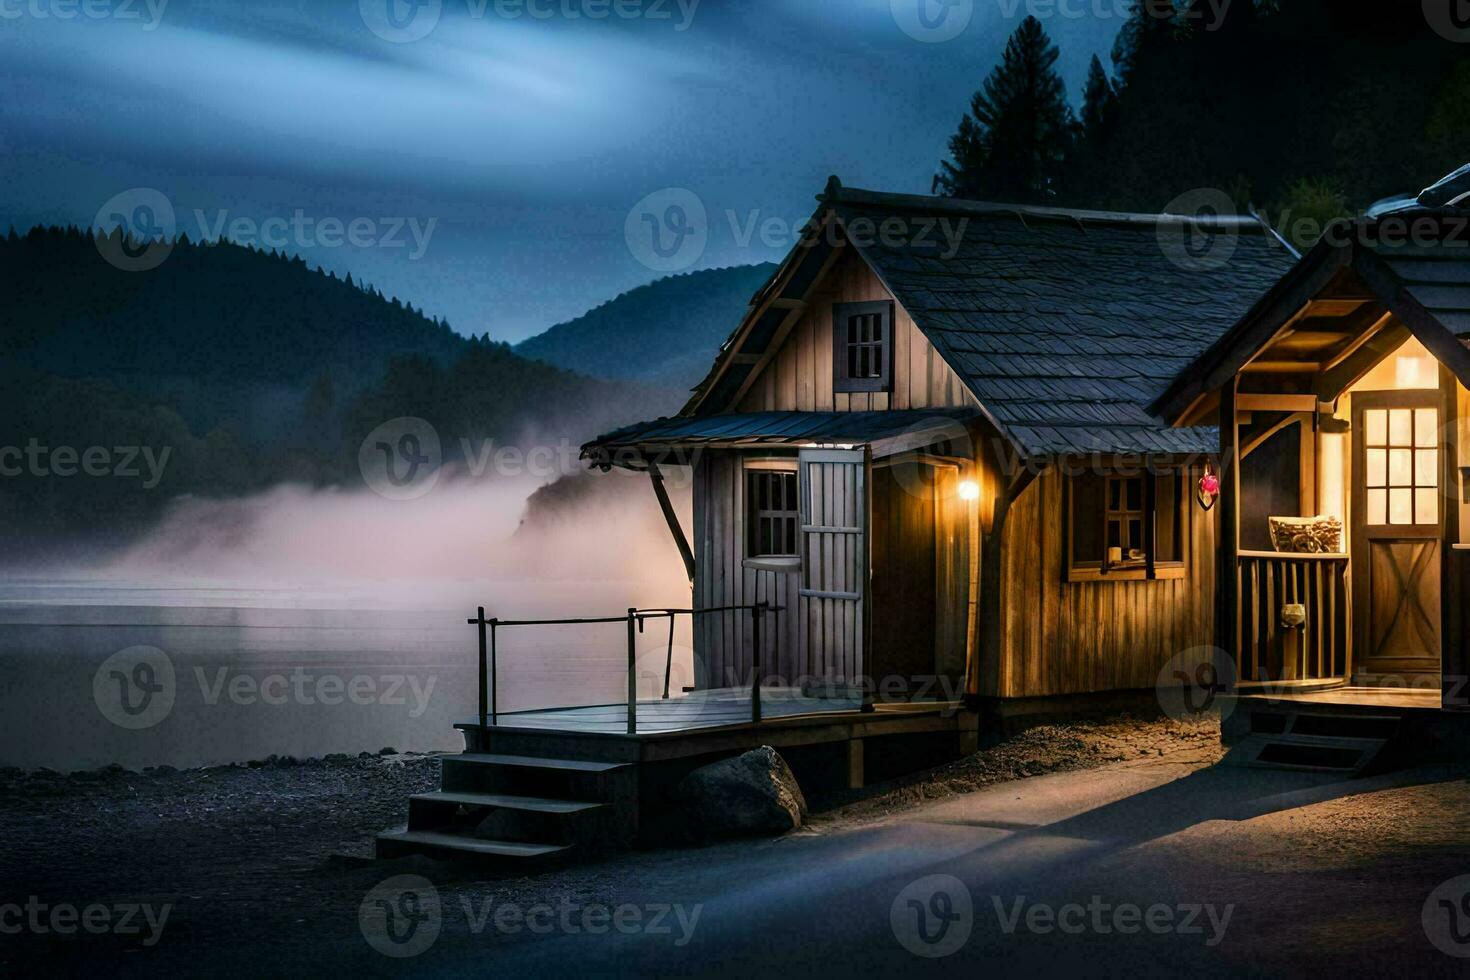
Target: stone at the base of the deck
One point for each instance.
(754, 793)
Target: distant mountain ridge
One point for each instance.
(666, 332)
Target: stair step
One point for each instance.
(1326, 741)
(536, 762)
(506, 801)
(432, 840)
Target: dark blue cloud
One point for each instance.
(525, 138)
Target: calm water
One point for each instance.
(85, 667)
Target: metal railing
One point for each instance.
(635, 618)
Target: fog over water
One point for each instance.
(303, 622)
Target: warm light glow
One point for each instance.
(1332, 483)
(1412, 371)
(969, 490)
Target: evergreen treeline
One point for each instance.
(1310, 108)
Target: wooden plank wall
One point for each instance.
(799, 377)
(722, 645)
(1071, 638)
(831, 642)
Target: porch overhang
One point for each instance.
(1348, 304)
(671, 441)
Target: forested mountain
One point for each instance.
(666, 332)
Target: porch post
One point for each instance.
(1454, 666)
(1227, 581)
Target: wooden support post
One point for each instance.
(756, 615)
(1228, 550)
(484, 670)
(632, 672)
(1454, 664)
(672, 519)
(855, 763)
(986, 671)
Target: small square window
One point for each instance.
(772, 514)
(862, 346)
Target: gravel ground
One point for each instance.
(261, 856)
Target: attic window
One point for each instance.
(1125, 526)
(862, 346)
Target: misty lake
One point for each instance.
(96, 672)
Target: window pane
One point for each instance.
(1400, 506)
(1426, 468)
(1377, 507)
(1377, 469)
(1087, 507)
(1115, 495)
(1377, 426)
(1400, 467)
(1400, 427)
(1426, 424)
(852, 329)
(1426, 507)
(1135, 494)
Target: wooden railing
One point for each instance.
(635, 619)
(1270, 650)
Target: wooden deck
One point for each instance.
(702, 709)
(1398, 698)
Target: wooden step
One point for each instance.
(1307, 753)
(400, 842)
(506, 801)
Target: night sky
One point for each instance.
(491, 165)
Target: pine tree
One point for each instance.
(1012, 144)
(1150, 22)
(1099, 103)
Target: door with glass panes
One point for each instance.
(1397, 521)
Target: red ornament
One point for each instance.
(1209, 488)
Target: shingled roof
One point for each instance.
(1067, 324)
(1064, 324)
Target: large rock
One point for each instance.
(754, 793)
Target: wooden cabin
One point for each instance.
(929, 444)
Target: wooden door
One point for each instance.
(1397, 534)
(834, 567)
(905, 578)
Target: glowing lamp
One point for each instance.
(969, 490)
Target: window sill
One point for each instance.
(1162, 572)
(772, 564)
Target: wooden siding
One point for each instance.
(1072, 638)
(798, 377)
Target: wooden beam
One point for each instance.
(673, 519)
(1333, 307)
(1332, 382)
(1228, 550)
(1359, 332)
(795, 309)
(1281, 367)
(1431, 333)
(1276, 403)
(1454, 665)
